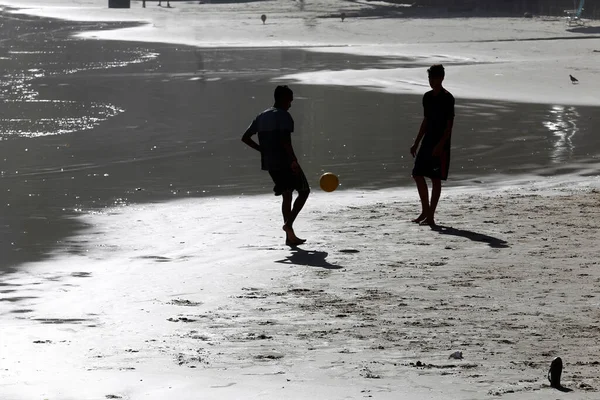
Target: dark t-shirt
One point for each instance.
(274, 127)
(438, 109)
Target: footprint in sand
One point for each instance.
(181, 319)
(186, 303)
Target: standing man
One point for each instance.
(433, 158)
(274, 127)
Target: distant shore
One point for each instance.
(502, 55)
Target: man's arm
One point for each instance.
(288, 128)
(439, 148)
(422, 130)
(287, 145)
(247, 137)
(448, 131)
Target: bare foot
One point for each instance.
(294, 243)
(429, 222)
(290, 236)
(420, 218)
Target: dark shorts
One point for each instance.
(286, 180)
(432, 167)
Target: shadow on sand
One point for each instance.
(590, 30)
(561, 388)
(474, 236)
(310, 258)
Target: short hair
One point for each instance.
(282, 92)
(436, 71)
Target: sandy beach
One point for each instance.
(371, 306)
(198, 297)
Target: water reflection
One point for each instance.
(562, 123)
(25, 113)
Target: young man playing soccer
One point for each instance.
(433, 156)
(274, 127)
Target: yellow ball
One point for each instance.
(329, 182)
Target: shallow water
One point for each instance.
(87, 124)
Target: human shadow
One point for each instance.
(590, 30)
(310, 258)
(561, 388)
(474, 236)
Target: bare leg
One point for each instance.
(424, 196)
(298, 205)
(289, 219)
(436, 191)
(286, 205)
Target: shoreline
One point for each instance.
(323, 140)
(574, 172)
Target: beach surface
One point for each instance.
(200, 298)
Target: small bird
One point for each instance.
(573, 79)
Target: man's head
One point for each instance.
(283, 97)
(436, 76)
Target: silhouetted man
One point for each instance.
(274, 127)
(433, 158)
